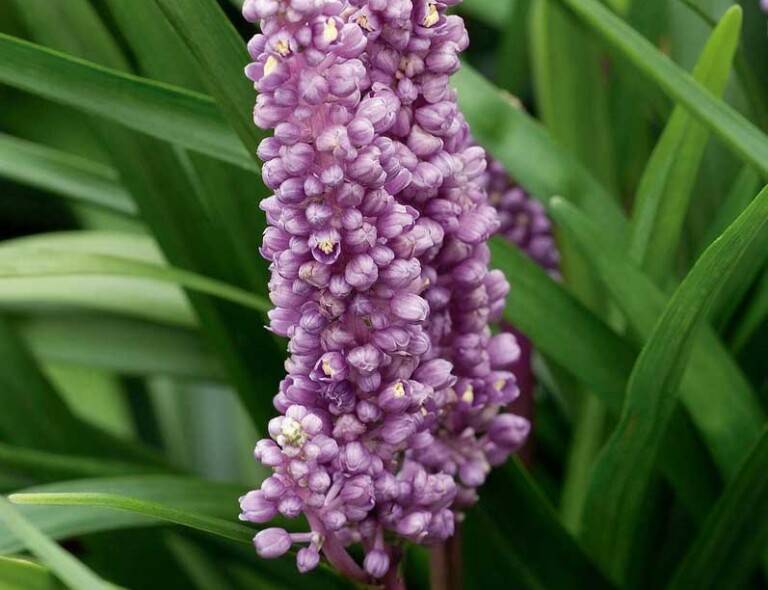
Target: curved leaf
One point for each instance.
(21, 261)
(185, 494)
(20, 574)
(743, 137)
(623, 473)
(729, 544)
(528, 153)
(153, 510)
(63, 174)
(715, 392)
(665, 188)
(62, 563)
(172, 114)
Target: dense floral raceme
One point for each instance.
(391, 410)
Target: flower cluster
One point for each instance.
(390, 414)
(524, 221)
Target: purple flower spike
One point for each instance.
(377, 239)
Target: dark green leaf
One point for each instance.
(623, 473)
(569, 334)
(665, 188)
(735, 534)
(745, 139)
(716, 394)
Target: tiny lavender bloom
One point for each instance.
(764, 5)
(390, 410)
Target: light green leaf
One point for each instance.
(571, 94)
(20, 574)
(623, 473)
(118, 344)
(528, 153)
(714, 391)
(63, 174)
(20, 261)
(62, 563)
(735, 534)
(743, 137)
(665, 188)
(172, 114)
(184, 494)
(144, 508)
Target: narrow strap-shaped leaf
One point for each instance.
(26, 262)
(154, 510)
(49, 466)
(119, 345)
(172, 114)
(571, 96)
(665, 188)
(623, 473)
(183, 493)
(222, 56)
(567, 332)
(20, 574)
(754, 316)
(63, 174)
(528, 152)
(533, 532)
(743, 137)
(62, 563)
(735, 534)
(715, 392)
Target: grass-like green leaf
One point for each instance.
(666, 186)
(754, 315)
(715, 392)
(528, 153)
(169, 113)
(21, 574)
(51, 466)
(186, 494)
(145, 508)
(550, 555)
(63, 174)
(743, 137)
(735, 534)
(41, 262)
(565, 331)
(222, 56)
(118, 345)
(623, 473)
(571, 94)
(62, 563)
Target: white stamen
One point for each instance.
(432, 16)
(270, 65)
(292, 431)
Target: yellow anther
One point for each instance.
(362, 20)
(327, 368)
(432, 16)
(468, 396)
(499, 385)
(270, 65)
(326, 246)
(330, 32)
(399, 390)
(282, 47)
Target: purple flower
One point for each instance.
(379, 277)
